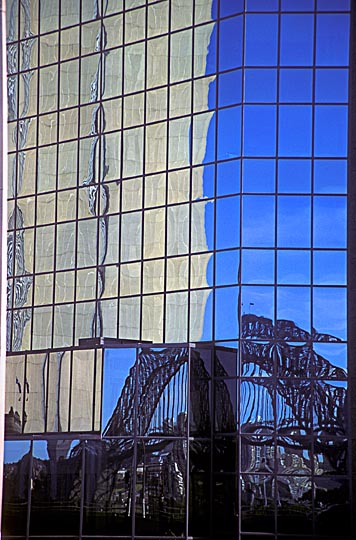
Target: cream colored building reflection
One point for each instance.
(117, 151)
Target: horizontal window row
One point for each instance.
(253, 267)
(58, 169)
(179, 316)
(262, 39)
(185, 228)
(251, 131)
(145, 469)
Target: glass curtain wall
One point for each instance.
(177, 172)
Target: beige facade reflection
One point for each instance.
(91, 227)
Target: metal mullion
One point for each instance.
(121, 172)
(311, 251)
(168, 86)
(36, 185)
(77, 187)
(29, 490)
(214, 164)
(190, 203)
(275, 281)
(99, 182)
(143, 213)
(56, 184)
(239, 279)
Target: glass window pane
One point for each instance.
(229, 133)
(297, 5)
(258, 175)
(230, 8)
(228, 177)
(260, 85)
(330, 176)
(230, 88)
(227, 222)
(230, 46)
(262, 5)
(261, 40)
(118, 380)
(295, 130)
(332, 40)
(330, 131)
(332, 85)
(17, 459)
(109, 484)
(296, 85)
(294, 176)
(259, 130)
(258, 225)
(293, 304)
(297, 32)
(227, 265)
(293, 267)
(294, 221)
(329, 267)
(257, 302)
(226, 313)
(333, 5)
(257, 266)
(330, 222)
(331, 322)
(56, 477)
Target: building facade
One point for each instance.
(179, 335)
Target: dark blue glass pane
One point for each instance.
(294, 228)
(335, 353)
(297, 5)
(261, 5)
(207, 334)
(330, 222)
(297, 33)
(295, 126)
(329, 267)
(261, 85)
(257, 266)
(260, 130)
(330, 131)
(294, 176)
(227, 267)
(331, 85)
(258, 223)
(230, 7)
(117, 365)
(333, 5)
(230, 88)
(296, 85)
(261, 40)
(257, 300)
(227, 222)
(332, 40)
(330, 176)
(258, 175)
(229, 133)
(228, 177)
(293, 267)
(226, 313)
(230, 50)
(327, 320)
(293, 304)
